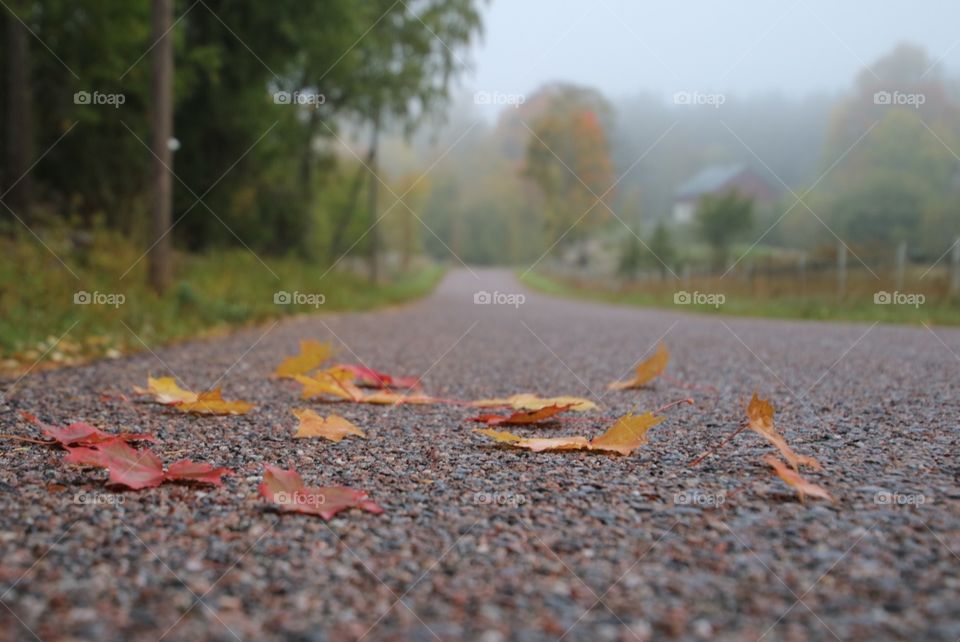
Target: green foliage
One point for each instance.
(721, 220)
(663, 254)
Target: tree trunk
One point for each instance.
(340, 227)
(18, 136)
(372, 189)
(161, 131)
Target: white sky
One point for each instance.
(742, 47)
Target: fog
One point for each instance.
(621, 47)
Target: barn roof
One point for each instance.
(709, 180)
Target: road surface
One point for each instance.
(485, 543)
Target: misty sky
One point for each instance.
(739, 46)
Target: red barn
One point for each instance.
(717, 180)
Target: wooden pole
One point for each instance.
(161, 132)
(841, 271)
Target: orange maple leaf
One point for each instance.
(647, 371)
(626, 435)
(523, 417)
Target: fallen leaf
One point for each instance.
(793, 479)
(186, 470)
(333, 427)
(80, 433)
(364, 376)
(325, 384)
(527, 401)
(760, 420)
(386, 397)
(626, 435)
(647, 371)
(211, 402)
(166, 391)
(522, 417)
(285, 489)
(138, 469)
(312, 355)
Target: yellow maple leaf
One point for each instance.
(327, 385)
(333, 427)
(528, 401)
(211, 402)
(166, 391)
(312, 355)
(626, 435)
(647, 371)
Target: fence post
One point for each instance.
(901, 265)
(841, 270)
(955, 271)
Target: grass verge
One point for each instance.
(60, 305)
(763, 300)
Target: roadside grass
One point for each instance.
(782, 298)
(41, 325)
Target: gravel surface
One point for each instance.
(486, 543)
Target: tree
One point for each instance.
(568, 159)
(663, 253)
(18, 136)
(721, 219)
(161, 132)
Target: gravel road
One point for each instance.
(480, 542)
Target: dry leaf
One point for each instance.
(325, 384)
(527, 401)
(385, 397)
(166, 391)
(312, 355)
(793, 479)
(364, 376)
(522, 417)
(626, 435)
(83, 434)
(646, 371)
(760, 420)
(333, 427)
(285, 489)
(138, 469)
(212, 403)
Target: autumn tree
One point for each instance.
(568, 159)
